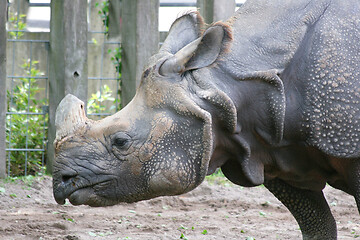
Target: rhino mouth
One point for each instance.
(79, 193)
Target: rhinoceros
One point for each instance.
(270, 96)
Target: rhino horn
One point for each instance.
(70, 115)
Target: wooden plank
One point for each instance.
(216, 10)
(140, 40)
(3, 35)
(206, 9)
(68, 59)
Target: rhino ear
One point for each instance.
(200, 53)
(189, 27)
(208, 49)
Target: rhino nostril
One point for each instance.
(66, 178)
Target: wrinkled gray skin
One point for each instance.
(271, 96)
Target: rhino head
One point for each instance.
(161, 142)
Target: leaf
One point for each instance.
(204, 232)
(262, 214)
(2, 190)
(182, 236)
(92, 234)
(13, 195)
(182, 228)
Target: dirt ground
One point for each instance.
(212, 211)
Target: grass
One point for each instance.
(218, 178)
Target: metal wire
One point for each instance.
(105, 43)
(14, 76)
(12, 146)
(21, 39)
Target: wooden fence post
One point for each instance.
(216, 10)
(3, 36)
(206, 9)
(139, 40)
(68, 59)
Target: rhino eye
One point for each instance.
(120, 140)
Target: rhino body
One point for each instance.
(270, 96)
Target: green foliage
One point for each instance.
(263, 214)
(96, 103)
(355, 235)
(218, 178)
(116, 59)
(13, 195)
(104, 13)
(16, 24)
(24, 130)
(115, 53)
(182, 236)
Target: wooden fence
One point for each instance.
(68, 51)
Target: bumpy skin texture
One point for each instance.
(309, 209)
(271, 96)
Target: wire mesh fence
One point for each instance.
(104, 57)
(27, 82)
(28, 64)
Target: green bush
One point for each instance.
(16, 25)
(23, 130)
(104, 14)
(96, 104)
(116, 60)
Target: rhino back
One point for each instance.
(333, 88)
(324, 73)
(314, 47)
(267, 33)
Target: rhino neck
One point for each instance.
(230, 103)
(244, 105)
(269, 41)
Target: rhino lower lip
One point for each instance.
(76, 196)
(80, 196)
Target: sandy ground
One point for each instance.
(212, 211)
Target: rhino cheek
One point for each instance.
(173, 156)
(163, 183)
(172, 178)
